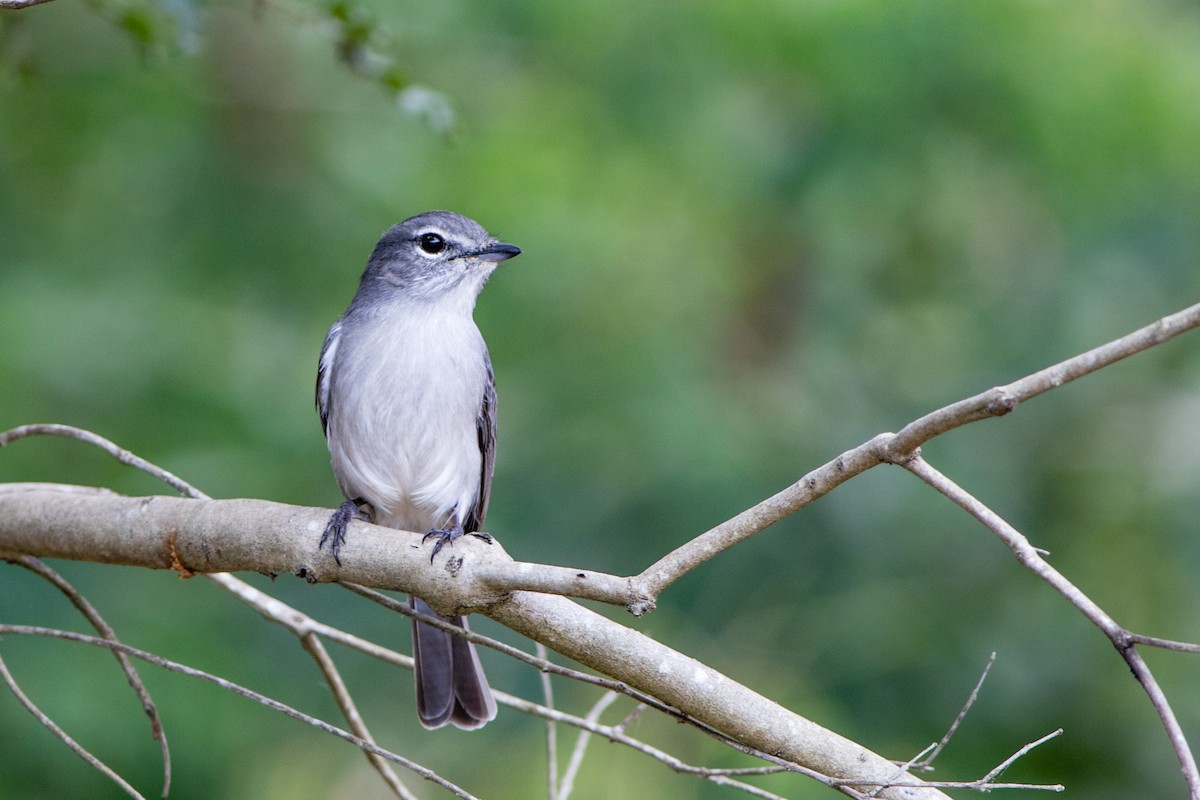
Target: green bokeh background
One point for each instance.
(755, 235)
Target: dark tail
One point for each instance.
(451, 686)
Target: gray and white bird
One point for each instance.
(408, 401)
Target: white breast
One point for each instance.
(405, 393)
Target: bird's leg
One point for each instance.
(446, 536)
(335, 529)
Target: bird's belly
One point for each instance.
(405, 438)
(416, 489)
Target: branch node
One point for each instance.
(885, 450)
(640, 601)
(1001, 401)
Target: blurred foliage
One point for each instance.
(756, 234)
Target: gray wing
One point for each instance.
(485, 426)
(325, 373)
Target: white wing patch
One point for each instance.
(325, 372)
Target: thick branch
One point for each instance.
(206, 536)
(231, 535)
(695, 689)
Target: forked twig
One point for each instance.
(1008, 762)
(309, 631)
(924, 760)
(1122, 639)
(985, 784)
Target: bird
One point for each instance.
(407, 399)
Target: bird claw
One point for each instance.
(335, 529)
(446, 536)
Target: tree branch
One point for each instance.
(231, 535)
(1000, 400)
(1122, 639)
(208, 536)
(895, 449)
(277, 611)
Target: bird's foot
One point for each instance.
(446, 536)
(335, 529)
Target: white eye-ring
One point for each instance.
(431, 243)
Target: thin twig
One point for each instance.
(895, 448)
(927, 762)
(606, 683)
(1164, 644)
(568, 781)
(551, 728)
(540, 664)
(174, 666)
(1008, 762)
(1179, 743)
(345, 701)
(979, 786)
(66, 739)
(634, 714)
(105, 630)
(308, 631)
(903, 768)
(1121, 638)
(117, 452)
(613, 734)
(1027, 554)
(987, 782)
(279, 612)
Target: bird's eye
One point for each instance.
(431, 243)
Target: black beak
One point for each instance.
(497, 252)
